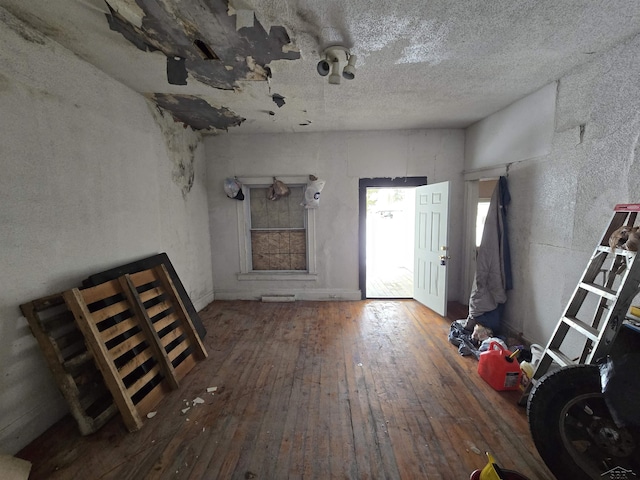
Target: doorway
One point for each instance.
(479, 194)
(387, 222)
(390, 239)
(485, 191)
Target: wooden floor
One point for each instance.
(348, 390)
(390, 283)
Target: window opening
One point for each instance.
(277, 239)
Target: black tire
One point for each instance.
(572, 427)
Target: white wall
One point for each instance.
(520, 131)
(341, 159)
(563, 200)
(86, 185)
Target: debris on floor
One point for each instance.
(196, 401)
(471, 447)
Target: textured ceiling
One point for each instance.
(421, 64)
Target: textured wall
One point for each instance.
(341, 159)
(563, 201)
(86, 185)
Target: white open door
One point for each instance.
(431, 246)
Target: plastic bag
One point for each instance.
(277, 190)
(271, 194)
(233, 188)
(312, 194)
(280, 188)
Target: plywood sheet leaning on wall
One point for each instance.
(76, 375)
(140, 336)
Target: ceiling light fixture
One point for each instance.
(349, 71)
(333, 57)
(334, 78)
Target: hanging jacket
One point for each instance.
(493, 264)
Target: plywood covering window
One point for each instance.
(277, 237)
(278, 231)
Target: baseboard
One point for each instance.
(316, 294)
(510, 332)
(203, 301)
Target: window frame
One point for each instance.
(244, 233)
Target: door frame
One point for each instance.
(469, 237)
(364, 183)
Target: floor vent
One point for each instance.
(278, 298)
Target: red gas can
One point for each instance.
(498, 369)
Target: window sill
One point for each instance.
(302, 276)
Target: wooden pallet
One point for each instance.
(76, 375)
(164, 308)
(141, 337)
(145, 264)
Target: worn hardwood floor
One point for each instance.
(349, 390)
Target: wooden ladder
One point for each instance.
(606, 300)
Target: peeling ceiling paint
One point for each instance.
(201, 40)
(195, 112)
(206, 37)
(436, 64)
(278, 100)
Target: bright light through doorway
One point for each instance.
(483, 210)
(390, 238)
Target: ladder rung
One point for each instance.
(559, 357)
(619, 251)
(633, 322)
(598, 290)
(606, 248)
(583, 328)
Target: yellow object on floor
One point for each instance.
(489, 471)
(635, 311)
